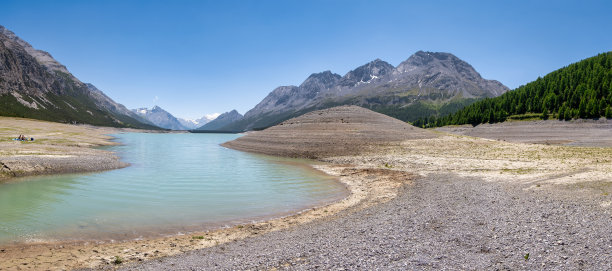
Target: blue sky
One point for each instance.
(198, 57)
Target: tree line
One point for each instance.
(580, 90)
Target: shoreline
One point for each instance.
(58, 148)
(367, 187)
(161, 230)
(82, 154)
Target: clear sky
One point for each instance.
(199, 57)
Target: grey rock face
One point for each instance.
(21, 72)
(44, 58)
(444, 72)
(222, 120)
(34, 85)
(160, 118)
(366, 73)
(107, 103)
(279, 99)
(422, 77)
(318, 81)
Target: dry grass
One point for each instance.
(51, 133)
(493, 160)
(56, 147)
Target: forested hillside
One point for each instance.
(580, 90)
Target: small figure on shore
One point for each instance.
(23, 138)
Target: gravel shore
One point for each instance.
(441, 221)
(478, 204)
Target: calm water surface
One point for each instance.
(176, 183)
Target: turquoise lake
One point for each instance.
(177, 183)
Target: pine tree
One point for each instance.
(544, 115)
(582, 109)
(567, 115)
(561, 115)
(602, 107)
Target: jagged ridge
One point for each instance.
(426, 79)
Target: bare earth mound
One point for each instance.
(342, 130)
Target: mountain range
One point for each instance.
(426, 83)
(197, 123)
(34, 85)
(164, 119)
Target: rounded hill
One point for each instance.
(341, 130)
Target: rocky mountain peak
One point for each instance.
(322, 80)
(365, 73)
(229, 116)
(423, 59)
(160, 117)
(444, 71)
(44, 58)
